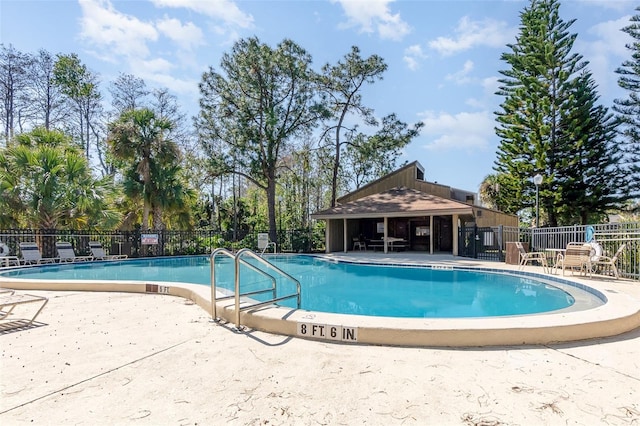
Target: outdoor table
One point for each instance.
(555, 254)
(396, 243)
(374, 244)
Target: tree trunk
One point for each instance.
(271, 205)
(336, 164)
(145, 216)
(158, 224)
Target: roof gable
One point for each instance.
(399, 201)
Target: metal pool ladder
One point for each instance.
(237, 258)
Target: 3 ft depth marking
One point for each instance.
(328, 332)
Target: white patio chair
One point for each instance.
(31, 255)
(100, 254)
(67, 254)
(531, 256)
(577, 256)
(610, 262)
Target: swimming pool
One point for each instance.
(343, 287)
(601, 308)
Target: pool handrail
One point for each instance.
(214, 298)
(212, 260)
(269, 265)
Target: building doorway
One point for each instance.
(443, 233)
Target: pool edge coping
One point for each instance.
(621, 313)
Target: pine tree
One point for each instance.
(257, 110)
(550, 124)
(628, 109)
(591, 181)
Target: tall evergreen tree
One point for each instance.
(342, 84)
(544, 129)
(256, 111)
(628, 109)
(591, 181)
(369, 157)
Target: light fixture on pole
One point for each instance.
(537, 180)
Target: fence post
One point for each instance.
(500, 240)
(476, 241)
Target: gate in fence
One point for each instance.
(484, 243)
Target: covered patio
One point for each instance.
(396, 220)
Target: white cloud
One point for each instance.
(462, 76)
(177, 85)
(225, 10)
(605, 51)
(412, 56)
(469, 131)
(158, 71)
(151, 66)
(475, 103)
(186, 36)
(124, 39)
(374, 16)
(105, 27)
(613, 38)
(491, 85)
(469, 34)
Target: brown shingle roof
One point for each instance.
(398, 202)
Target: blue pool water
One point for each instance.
(341, 287)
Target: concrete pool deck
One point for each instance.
(120, 358)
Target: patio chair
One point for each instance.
(30, 254)
(5, 258)
(359, 243)
(99, 254)
(610, 262)
(531, 256)
(577, 256)
(67, 254)
(9, 300)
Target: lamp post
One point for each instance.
(537, 180)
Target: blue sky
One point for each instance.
(443, 56)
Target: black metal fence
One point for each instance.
(158, 243)
(490, 243)
(481, 243)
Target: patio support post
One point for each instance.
(455, 230)
(344, 234)
(386, 234)
(327, 239)
(431, 234)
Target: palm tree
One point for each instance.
(138, 139)
(170, 194)
(46, 182)
(489, 191)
